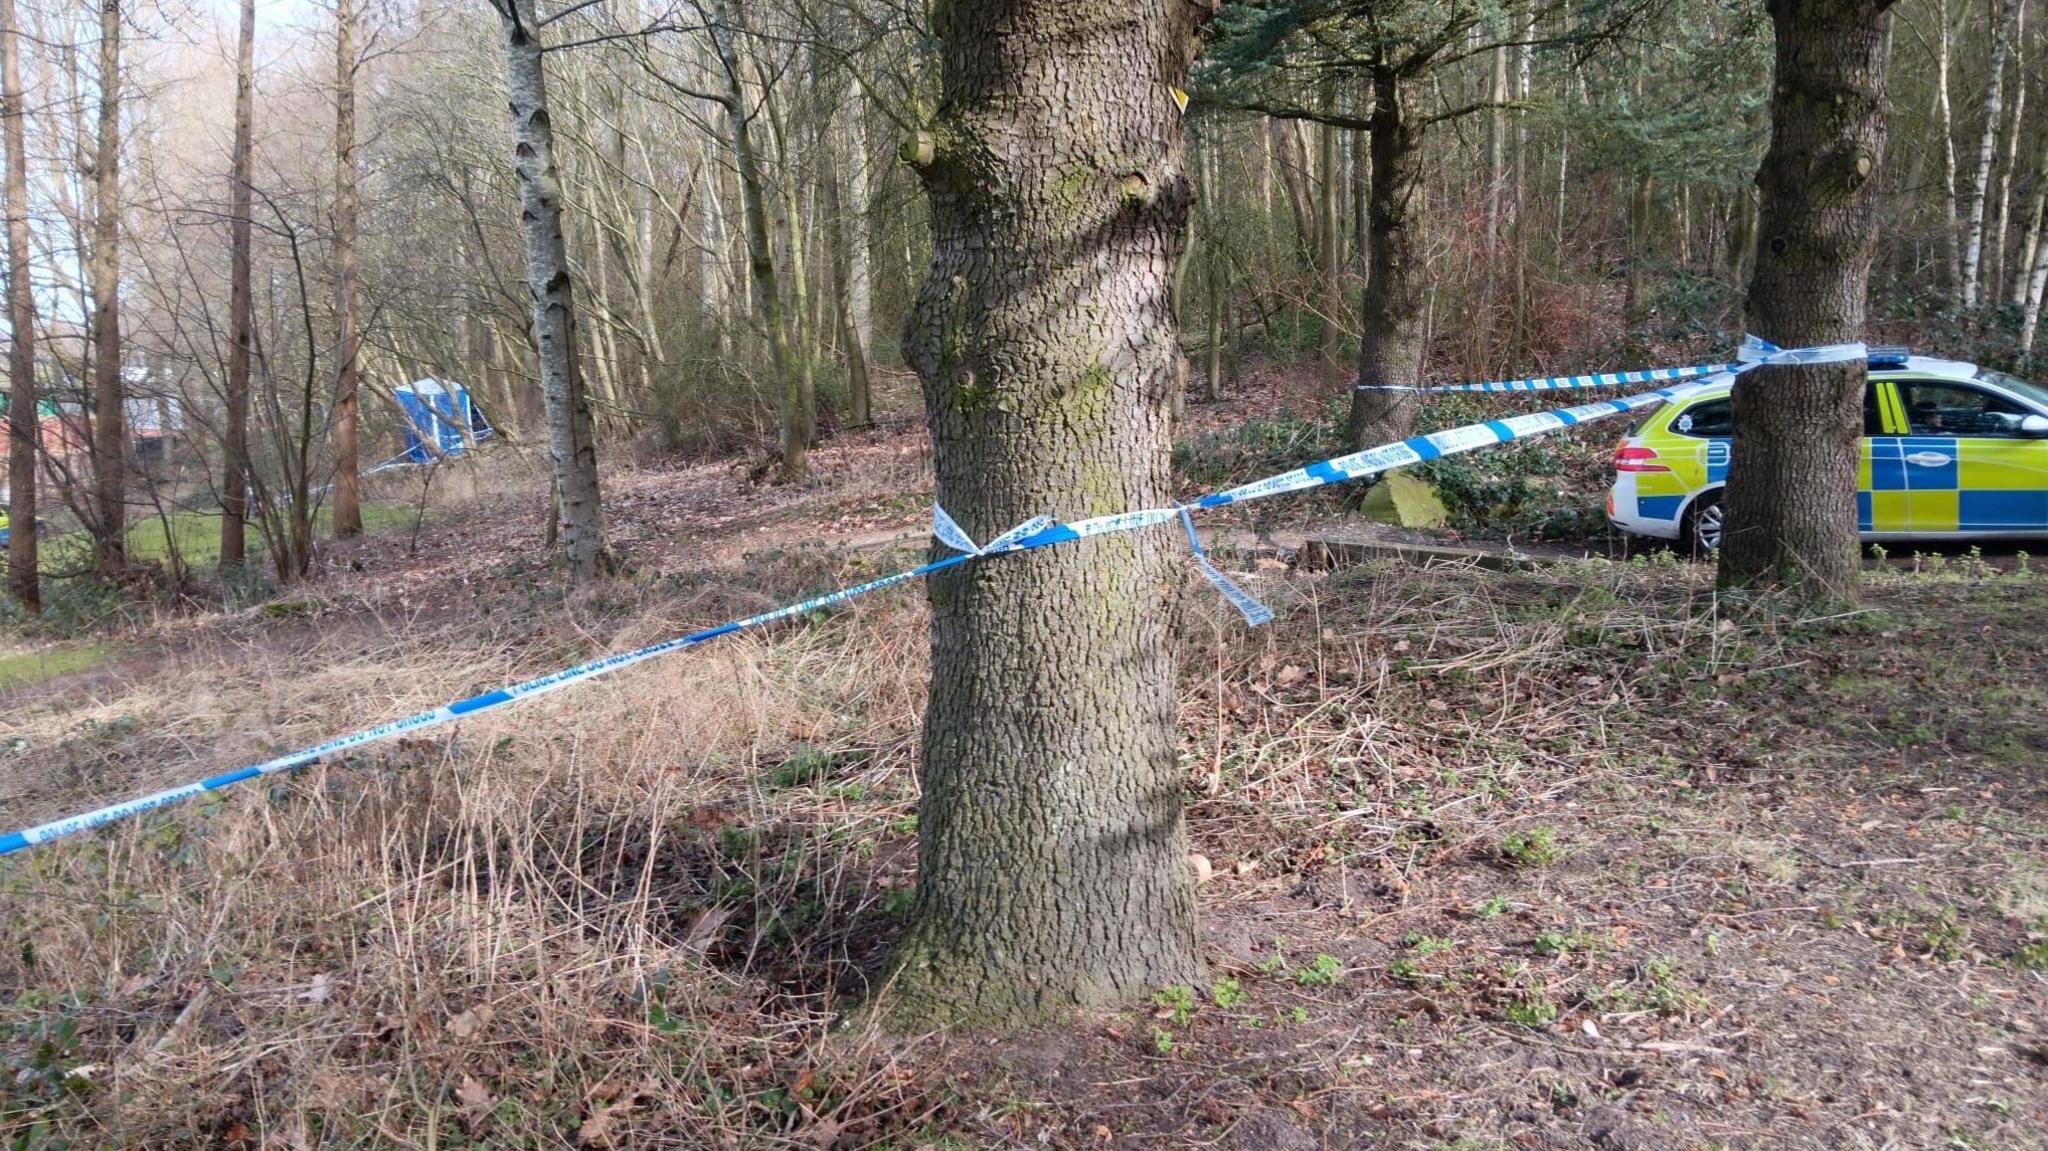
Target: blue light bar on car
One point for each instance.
(1889, 355)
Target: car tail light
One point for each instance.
(1628, 459)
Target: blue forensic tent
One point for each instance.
(440, 413)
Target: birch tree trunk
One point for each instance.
(24, 421)
(2000, 238)
(348, 510)
(1391, 336)
(1987, 145)
(1946, 118)
(234, 483)
(2037, 286)
(571, 442)
(109, 425)
(1052, 866)
(1791, 497)
(2030, 240)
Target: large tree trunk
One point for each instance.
(1052, 858)
(1987, 146)
(234, 483)
(571, 443)
(348, 509)
(23, 422)
(1390, 323)
(1791, 499)
(110, 424)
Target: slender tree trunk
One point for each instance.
(1391, 335)
(24, 423)
(2037, 286)
(1496, 161)
(838, 240)
(1052, 866)
(1994, 273)
(1945, 116)
(860, 248)
(761, 248)
(1987, 146)
(571, 440)
(1330, 237)
(1216, 263)
(110, 424)
(2030, 240)
(1293, 163)
(234, 484)
(800, 309)
(1642, 203)
(1791, 498)
(348, 510)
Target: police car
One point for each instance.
(1949, 451)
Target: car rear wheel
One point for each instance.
(1703, 523)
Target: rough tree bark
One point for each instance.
(1052, 857)
(1791, 498)
(23, 424)
(571, 443)
(234, 483)
(348, 507)
(1987, 146)
(109, 399)
(1390, 321)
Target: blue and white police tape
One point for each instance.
(1037, 532)
(1755, 351)
(1563, 383)
(449, 713)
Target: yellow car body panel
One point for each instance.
(1945, 455)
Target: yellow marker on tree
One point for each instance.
(1180, 99)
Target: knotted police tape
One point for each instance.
(1033, 533)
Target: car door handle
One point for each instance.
(1929, 459)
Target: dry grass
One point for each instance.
(630, 915)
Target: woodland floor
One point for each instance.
(1579, 857)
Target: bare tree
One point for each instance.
(109, 424)
(234, 484)
(348, 510)
(571, 438)
(1994, 104)
(24, 425)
